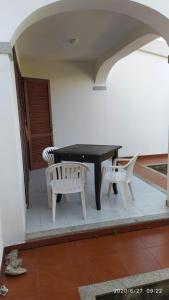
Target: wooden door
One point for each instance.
(39, 119)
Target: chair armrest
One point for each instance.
(114, 167)
(120, 159)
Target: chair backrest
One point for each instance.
(130, 166)
(68, 177)
(49, 158)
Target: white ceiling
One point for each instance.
(97, 31)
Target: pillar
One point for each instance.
(12, 195)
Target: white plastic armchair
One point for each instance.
(122, 175)
(47, 156)
(67, 178)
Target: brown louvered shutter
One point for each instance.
(39, 119)
(23, 123)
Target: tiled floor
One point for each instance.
(56, 272)
(148, 201)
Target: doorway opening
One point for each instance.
(85, 117)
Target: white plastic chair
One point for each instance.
(67, 178)
(48, 157)
(122, 175)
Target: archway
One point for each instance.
(154, 24)
(76, 103)
(148, 15)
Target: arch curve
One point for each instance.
(135, 9)
(104, 65)
(154, 24)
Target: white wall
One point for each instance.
(12, 203)
(132, 112)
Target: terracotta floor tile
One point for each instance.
(71, 294)
(22, 286)
(96, 246)
(53, 281)
(83, 273)
(139, 261)
(147, 238)
(155, 238)
(30, 259)
(58, 261)
(127, 241)
(108, 245)
(107, 267)
(9, 297)
(161, 254)
(56, 253)
(163, 230)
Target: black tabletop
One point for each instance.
(86, 149)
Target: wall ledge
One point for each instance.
(99, 88)
(6, 48)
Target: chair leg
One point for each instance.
(85, 188)
(83, 204)
(110, 190)
(53, 206)
(124, 193)
(86, 184)
(49, 192)
(131, 190)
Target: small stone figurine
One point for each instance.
(14, 264)
(3, 290)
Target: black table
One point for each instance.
(90, 154)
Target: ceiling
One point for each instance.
(96, 31)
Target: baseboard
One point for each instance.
(88, 234)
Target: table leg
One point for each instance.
(59, 196)
(97, 172)
(114, 184)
